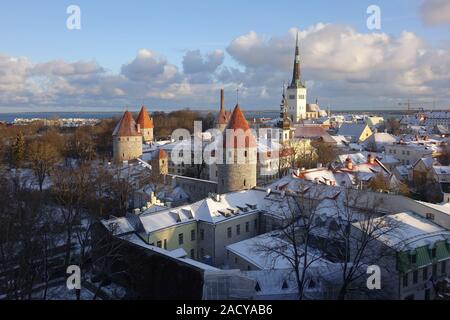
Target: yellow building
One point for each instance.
(357, 132)
(171, 230)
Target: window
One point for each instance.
(433, 252)
(427, 294)
(291, 97)
(434, 270)
(159, 244)
(202, 234)
(413, 258)
(238, 229)
(245, 182)
(247, 226)
(443, 267)
(285, 285)
(425, 274)
(192, 254)
(430, 216)
(192, 235)
(245, 153)
(257, 287)
(229, 232)
(202, 252)
(405, 280)
(415, 276)
(180, 239)
(165, 244)
(256, 224)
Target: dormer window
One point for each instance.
(413, 257)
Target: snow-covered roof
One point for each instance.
(340, 140)
(406, 230)
(118, 226)
(253, 250)
(258, 252)
(177, 254)
(402, 170)
(443, 207)
(441, 170)
(352, 129)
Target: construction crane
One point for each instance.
(409, 103)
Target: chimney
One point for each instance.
(222, 99)
(370, 159)
(349, 163)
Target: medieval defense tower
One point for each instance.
(238, 170)
(127, 139)
(146, 124)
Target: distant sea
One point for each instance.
(250, 114)
(9, 117)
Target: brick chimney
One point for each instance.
(349, 163)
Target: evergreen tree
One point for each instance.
(18, 150)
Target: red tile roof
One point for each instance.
(162, 154)
(144, 119)
(126, 126)
(238, 121)
(312, 132)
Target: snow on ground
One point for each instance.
(61, 292)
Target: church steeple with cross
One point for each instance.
(296, 92)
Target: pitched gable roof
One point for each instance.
(352, 129)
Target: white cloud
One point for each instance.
(149, 66)
(194, 62)
(342, 67)
(435, 12)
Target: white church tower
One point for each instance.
(296, 92)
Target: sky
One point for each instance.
(176, 54)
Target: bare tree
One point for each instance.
(296, 237)
(357, 234)
(42, 156)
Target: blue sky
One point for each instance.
(114, 31)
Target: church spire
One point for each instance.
(296, 75)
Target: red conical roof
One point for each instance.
(126, 126)
(238, 121)
(162, 154)
(144, 119)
